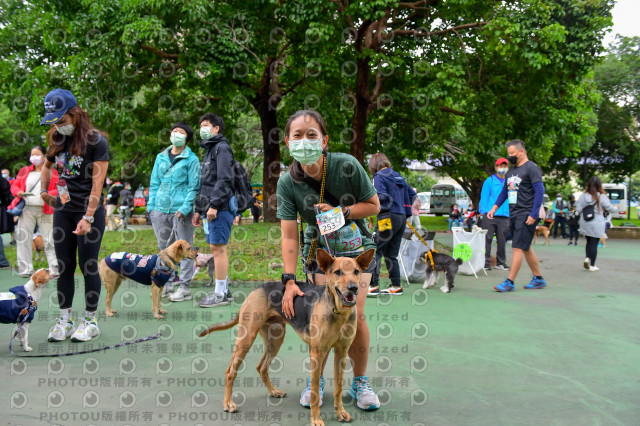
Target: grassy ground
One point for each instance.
(634, 218)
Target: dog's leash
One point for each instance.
(32, 306)
(428, 255)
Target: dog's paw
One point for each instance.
(343, 416)
(445, 289)
(28, 348)
(277, 393)
(163, 311)
(230, 407)
(110, 313)
(317, 422)
(158, 316)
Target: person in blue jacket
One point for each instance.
(175, 183)
(396, 198)
(499, 225)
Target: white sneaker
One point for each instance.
(305, 397)
(593, 268)
(587, 263)
(86, 331)
(167, 290)
(180, 295)
(365, 397)
(61, 330)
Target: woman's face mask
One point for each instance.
(35, 160)
(178, 139)
(5, 175)
(66, 130)
(502, 171)
(306, 151)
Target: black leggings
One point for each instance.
(592, 249)
(87, 246)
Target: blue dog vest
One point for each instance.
(139, 268)
(11, 304)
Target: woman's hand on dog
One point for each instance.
(290, 292)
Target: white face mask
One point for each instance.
(66, 130)
(178, 139)
(559, 198)
(36, 159)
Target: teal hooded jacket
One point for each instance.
(174, 186)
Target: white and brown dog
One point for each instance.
(16, 303)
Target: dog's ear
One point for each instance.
(325, 260)
(364, 260)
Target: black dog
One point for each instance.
(434, 264)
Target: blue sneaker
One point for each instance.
(506, 285)
(536, 283)
(305, 398)
(365, 397)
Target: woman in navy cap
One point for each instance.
(80, 153)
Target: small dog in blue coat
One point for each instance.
(18, 300)
(154, 270)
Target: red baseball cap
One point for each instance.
(501, 160)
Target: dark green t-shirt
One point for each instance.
(346, 180)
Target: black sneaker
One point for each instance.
(229, 296)
(373, 291)
(393, 290)
(487, 267)
(502, 267)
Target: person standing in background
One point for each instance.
(559, 208)
(7, 225)
(126, 206)
(5, 200)
(175, 182)
(256, 207)
(111, 203)
(499, 224)
(396, 198)
(573, 221)
(414, 220)
(27, 186)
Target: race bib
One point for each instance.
(346, 240)
(513, 197)
(330, 221)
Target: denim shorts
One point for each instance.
(220, 228)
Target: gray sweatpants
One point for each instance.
(498, 226)
(163, 224)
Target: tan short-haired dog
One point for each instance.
(325, 318)
(544, 231)
(154, 270)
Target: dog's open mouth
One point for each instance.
(348, 298)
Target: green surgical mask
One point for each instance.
(178, 139)
(306, 151)
(205, 133)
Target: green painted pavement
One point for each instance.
(564, 355)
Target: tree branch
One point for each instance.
(452, 111)
(160, 53)
(439, 32)
(293, 86)
(234, 39)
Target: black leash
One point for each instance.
(25, 314)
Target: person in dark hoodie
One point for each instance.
(396, 198)
(216, 205)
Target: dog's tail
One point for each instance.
(459, 261)
(222, 326)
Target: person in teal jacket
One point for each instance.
(499, 225)
(175, 182)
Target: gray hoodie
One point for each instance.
(594, 228)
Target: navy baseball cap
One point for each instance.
(56, 103)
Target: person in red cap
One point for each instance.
(499, 224)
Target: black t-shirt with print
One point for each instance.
(77, 171)
(519, 181)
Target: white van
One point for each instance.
(425, 202)
(617, 193)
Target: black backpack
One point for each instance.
(241, 186)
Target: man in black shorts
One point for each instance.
(524, 190)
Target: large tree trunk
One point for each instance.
(271, 148)
(361, 112)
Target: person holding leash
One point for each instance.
(80, 153)
(346, 190)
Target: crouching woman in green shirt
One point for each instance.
(347, 185)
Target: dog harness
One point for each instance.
(14, 303)
(143, 269)
(429, 256)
